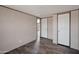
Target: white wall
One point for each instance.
(75, 29)
(44, 27)
(54, 29)
(16, 29)
(49, 27)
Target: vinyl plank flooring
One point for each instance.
(44, 46)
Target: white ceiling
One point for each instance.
(43, 10)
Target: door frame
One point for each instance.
(69, 27)
(41, 27)
(37, 26)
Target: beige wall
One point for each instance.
(75, 29)
(16, 29)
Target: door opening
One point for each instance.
(37, 43)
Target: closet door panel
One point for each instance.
(75, 29)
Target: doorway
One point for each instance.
(38, 27)
(44, 27)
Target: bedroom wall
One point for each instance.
(49, 27)
(54, 29)
(16, 29)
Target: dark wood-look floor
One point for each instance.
(45, 47)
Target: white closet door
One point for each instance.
(44, 27)
(63, 29)
(75, 29)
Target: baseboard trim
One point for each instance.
(64, 45)
(68, 47)
(74, 49)
(45, 38)
(19, 47)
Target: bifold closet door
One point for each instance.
(44, 27)
(63, 29)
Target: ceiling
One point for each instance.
(43, 10)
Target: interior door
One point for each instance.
(63, 29)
